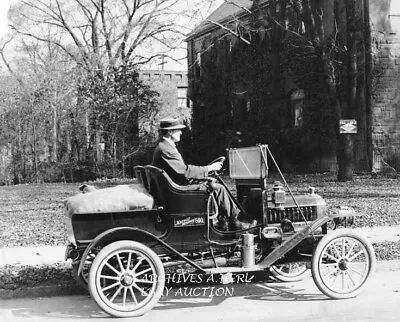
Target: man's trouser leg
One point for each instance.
(226, 206)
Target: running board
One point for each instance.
(290, 243)
(277, 253)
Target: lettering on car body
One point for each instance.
(189, 221)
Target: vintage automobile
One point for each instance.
(122, 257)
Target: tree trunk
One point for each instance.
(345, 157)
(34, 152)
(123, 159)
(99, 151)
(69, 145)
(346, 144)
(54, 136)
(368, 81)
(87, 130)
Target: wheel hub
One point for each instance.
(343, 264)
(127, 280)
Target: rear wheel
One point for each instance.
(342, 263)
(126, 279)
(290, 272)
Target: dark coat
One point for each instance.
(166, 157)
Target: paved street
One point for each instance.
(301, 301)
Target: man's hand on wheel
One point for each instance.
(216, 166)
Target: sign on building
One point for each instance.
(347, 126)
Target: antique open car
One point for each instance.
(122, 257)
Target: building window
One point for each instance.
(182, 97)
(248, 106)
(197, 66)
(296, 105)
(394, 24)
(298, 114)
(198, 59)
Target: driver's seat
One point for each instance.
(174, 198)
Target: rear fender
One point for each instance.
(115, 234)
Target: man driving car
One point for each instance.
(167, 157)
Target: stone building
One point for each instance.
(267, 96)
(385, 95)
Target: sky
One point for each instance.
(4, 29)
(4, 5)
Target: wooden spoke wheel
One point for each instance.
(126, 279)
(342, 263)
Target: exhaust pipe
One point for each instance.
(205, 263)
(73, 254)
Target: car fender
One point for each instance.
(115, 234)
(345, 216)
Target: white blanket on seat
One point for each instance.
(114, 199)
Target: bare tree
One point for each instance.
(58, 45)
(38, 104)
(99, 33)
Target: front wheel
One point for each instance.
(342, 263)
(126, 279)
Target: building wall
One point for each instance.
(172, 87)
(266, 106)
(383, 125)
(385, 26)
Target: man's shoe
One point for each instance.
(222, 225)
(240, 225)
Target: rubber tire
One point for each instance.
(315, 268)
(150, 255)
(288, 277)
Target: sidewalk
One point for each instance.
(32, 256)
(379, 234)
(43, 255)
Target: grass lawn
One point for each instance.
(33, 214)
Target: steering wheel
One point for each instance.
(220, 159)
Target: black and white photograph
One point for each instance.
(200, 160)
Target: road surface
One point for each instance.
(258, 301)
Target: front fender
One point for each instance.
(344, 216)
(115, 234)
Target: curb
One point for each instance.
(74, 289)
(42, 291)
(392, 265)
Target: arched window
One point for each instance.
(296, 106)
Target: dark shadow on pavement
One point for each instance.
(72, 307)
(182, 296)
